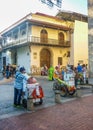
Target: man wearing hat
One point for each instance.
(20, 79)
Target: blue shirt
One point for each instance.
(19, 80)
(79, 68)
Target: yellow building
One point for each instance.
(55, 40)
(79, 42)
(39, 39)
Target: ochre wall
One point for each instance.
(80, 42)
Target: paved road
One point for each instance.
(6, 97)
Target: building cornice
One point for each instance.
(49, 25)
(72, 16)
(62, 15)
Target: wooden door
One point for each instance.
(45, 58)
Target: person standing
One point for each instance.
(57, 73)
(20, 81)
(8, 71)
(84, 72)
(79, 68)
(50, 73)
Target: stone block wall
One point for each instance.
(90, 37)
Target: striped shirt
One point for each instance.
(19, 80)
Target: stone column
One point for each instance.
(30, 105)
(78, 92)
(57, 96)
(90, 36)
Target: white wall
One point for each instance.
(7, 54)
(23, 58)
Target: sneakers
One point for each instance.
(17, 106)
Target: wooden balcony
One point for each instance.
(31, 40)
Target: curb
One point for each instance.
(4, 80)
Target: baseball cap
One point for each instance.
(22, 69)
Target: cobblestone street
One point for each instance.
(72, 113)
(6, 97)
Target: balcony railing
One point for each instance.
(31, 40)
(48, 42)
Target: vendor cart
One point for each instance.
(35, 92)
(69, 78)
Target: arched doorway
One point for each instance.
(45, 57)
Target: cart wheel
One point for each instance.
(71, 92)
(63, 91)
(41, 101)
(86, 81)
(24, 103)
(56, 86)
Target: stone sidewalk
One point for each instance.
(72, 115)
